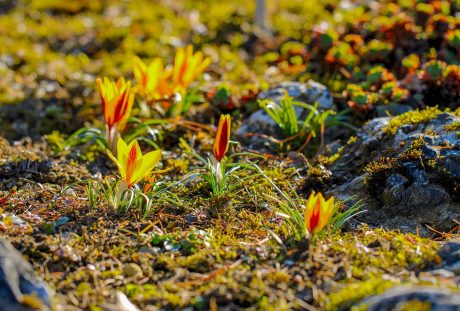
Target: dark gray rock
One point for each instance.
(413, 190)
(352, 191)
(395, 188)
(309, 93)
(18, 282)
(391, 109)
(439, 299)
(430, 152)
(367, 147)
(450, 255)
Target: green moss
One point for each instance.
(412, 118)
(414, 305)
(373, 254)
(350, 294)
(339, 152)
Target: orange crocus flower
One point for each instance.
(133, 166)
(318, 212)
(152, 80)
(222, 140)
(117, 102)
(188, 66)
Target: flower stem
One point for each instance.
(122, 187)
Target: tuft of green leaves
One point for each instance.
(299, 130)
(286, 117)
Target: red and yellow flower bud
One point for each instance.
(222, 140)
(318, 212)
(117, 102)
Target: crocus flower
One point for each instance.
(152, 80)
(222, 140)
(188, 66)
(318, 212)
(117, 101)
(134, 166)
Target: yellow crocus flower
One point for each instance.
(152, 79)
(132, 164)
(188, 66)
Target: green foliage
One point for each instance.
(86, 135)
(286, 117)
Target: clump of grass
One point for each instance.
(292, 127)
(309, 222)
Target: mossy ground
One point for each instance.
(206, 252)
(195, 249)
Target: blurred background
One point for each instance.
(52, 51)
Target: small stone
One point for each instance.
(148, 250)
(309, 93)
(132, 270)
(122, 304)
(450, 252)
(191, 218)
(430, 152)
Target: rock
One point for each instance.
(149, 250)
(132, 270)
(450, 255)
(309, 93)
(20, 288)
(391, 109)
(415, 178)
(261, 123)
(395, 188)
(351, 191)
(430, 152)
(439, 299)
(356, 155)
